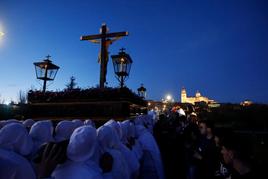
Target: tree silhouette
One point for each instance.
(72, 84)
(22, 97)
(2, 100)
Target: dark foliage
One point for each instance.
(85, 95)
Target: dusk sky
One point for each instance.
(219, 47)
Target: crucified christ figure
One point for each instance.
(108, 42)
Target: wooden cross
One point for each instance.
(105, 39)
(48, 57)
(122, 49)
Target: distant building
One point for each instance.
(246, 103)
(195, 99)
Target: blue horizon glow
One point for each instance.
(217, 47)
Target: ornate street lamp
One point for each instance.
(122, 64)
(142, 91)
(46, 71)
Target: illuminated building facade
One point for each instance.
(195, 99)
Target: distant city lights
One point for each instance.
(168, 97)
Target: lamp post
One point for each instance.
(46, 71)
(142, 91)
(122, 63)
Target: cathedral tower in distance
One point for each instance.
(194, 99)
(183, 95)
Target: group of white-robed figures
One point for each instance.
(86, 145)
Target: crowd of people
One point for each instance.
(73, 149)
(193, 148)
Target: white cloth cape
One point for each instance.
(15, 142)
(64, 130)
(14, 137)
(41, 133)
(79, 151)
(14, 166)
(149, 144)
(108, 142)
